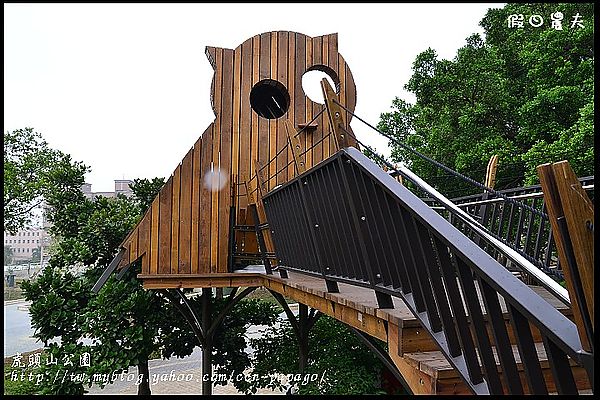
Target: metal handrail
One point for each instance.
(546, 281)
(346, 220)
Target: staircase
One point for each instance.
(473, 327)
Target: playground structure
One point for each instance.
(461, 292)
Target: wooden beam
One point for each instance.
(564, 198)
(337, 116)
(490, 173)
(296, 146)
(579, 213)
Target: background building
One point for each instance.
(25, 241)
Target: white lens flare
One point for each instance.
(215, 180)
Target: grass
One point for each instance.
(22, 384)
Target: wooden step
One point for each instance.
(433, 368)
(413, 338)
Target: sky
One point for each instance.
(125, 88)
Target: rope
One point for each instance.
(295, 135)
(445, 168)
(315, 144)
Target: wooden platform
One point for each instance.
(410, 346)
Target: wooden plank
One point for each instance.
(154, 237)
(185, 208)
(144, 240)
(216, 155)
(263, 123)
(322, 151)
(175, 220)
(335, 115)
(133, 247)
(273, 122)
(332, 61)
(291, 89)
(254, 146)
(490, 173)
(225, 163)
(265, 55)
(350, 90)
(307, 137)
(555, 210)
(282, 76)
(205, 202)
(245, 115)
(164, 230)
(235, 128)
(196, 210)
(419, 382)
(191, 281)
(579, 213)
(299, 96)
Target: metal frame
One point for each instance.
(375, 233)
(528, 234)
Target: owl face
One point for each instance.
(266, 73)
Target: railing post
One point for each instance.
(337, 118)
(571, 215)
(296, 147)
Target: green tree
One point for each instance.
(124, 322)
(32, 170)
(337, 357)
(525, 94)
(36, 254)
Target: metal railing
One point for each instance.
(346, 220)
(527, 233)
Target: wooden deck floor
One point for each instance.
(409, 345)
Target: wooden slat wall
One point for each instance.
(186, 229)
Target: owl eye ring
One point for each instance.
(270, 99)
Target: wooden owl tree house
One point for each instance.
(266, 131)
(337, 217)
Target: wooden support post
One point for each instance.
(262, 248)
(262, 189)
(203, 325)
(301, 325)
(337, 116)
(490, 173)
(490, 181)
(302, 337)
(568, 204)
(208, 342)
(294, 143)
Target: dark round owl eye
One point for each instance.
(269, 99)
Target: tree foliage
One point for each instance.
(33, 171)
(337, 358)
(123, 324)
(525, 94)
(8, 255)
